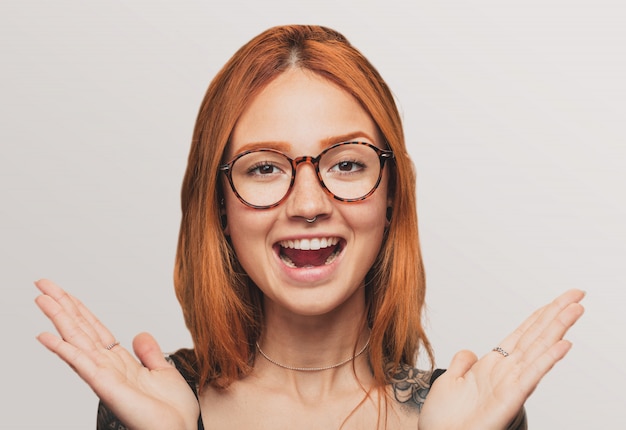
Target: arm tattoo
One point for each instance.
(410, 385)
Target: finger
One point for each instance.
(103, 371)
(511, 340)
(521, 338)
(73, 356)
(103, 334)
(75, 308)
(530, 378)
(554, 332)
(461, 363)
(51, 289)
(547, 316)
(68, 303)
(148, 351)
(70, 331)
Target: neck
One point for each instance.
(316, 341)
(315, 369)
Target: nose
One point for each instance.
(307, 198)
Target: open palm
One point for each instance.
(145, 394)
(487, 394)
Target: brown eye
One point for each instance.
(263, 169)
(348, 166)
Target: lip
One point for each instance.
(311, 275)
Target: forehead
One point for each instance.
(300, 113)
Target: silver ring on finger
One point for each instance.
(111, 345)
(501, 351)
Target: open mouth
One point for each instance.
(305, 253)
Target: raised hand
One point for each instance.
(150, 394)
(487, 394)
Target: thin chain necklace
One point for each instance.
(314, 369)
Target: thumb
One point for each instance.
(461, 363)
(148, 351)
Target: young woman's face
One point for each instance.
(301, 114)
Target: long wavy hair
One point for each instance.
(221, 305)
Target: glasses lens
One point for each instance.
(261, 177)
(350, 171)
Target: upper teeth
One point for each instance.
(310, 244)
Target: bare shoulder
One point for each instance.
(409, 386)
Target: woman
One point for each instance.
(299, 270)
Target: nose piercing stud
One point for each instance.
(311, 220)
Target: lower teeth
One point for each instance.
(332, 257)
(287, 261)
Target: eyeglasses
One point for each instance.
(348, 171)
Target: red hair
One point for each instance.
(222, 307)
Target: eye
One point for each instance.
(264, 168)
(347, 166)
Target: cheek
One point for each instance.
(372, 221)
(372, 218)
(237, 216)
(368, 220)
(376, 213)
(243, 224)
(248, 229)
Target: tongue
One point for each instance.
(303, 258)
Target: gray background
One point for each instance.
(514, 114)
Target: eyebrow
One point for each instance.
(346, 138)
(324, 143)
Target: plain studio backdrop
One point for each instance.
(514, 115)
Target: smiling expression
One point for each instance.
(306, 268)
